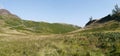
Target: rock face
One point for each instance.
(4, 12)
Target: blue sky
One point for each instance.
(75, 12)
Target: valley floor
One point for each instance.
(60, 45)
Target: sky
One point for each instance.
(76, 12)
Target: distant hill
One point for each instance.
(10, 22)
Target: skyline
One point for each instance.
(74, 12)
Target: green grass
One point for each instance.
(109, 42)
(51, 46)
(94, 44)
(18, 24)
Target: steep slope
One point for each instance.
(110, 22)
(103, 20)
(9, 21)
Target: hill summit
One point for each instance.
(4, 12)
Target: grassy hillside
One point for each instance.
(13, 22)
(102, 38)
(110, 22)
